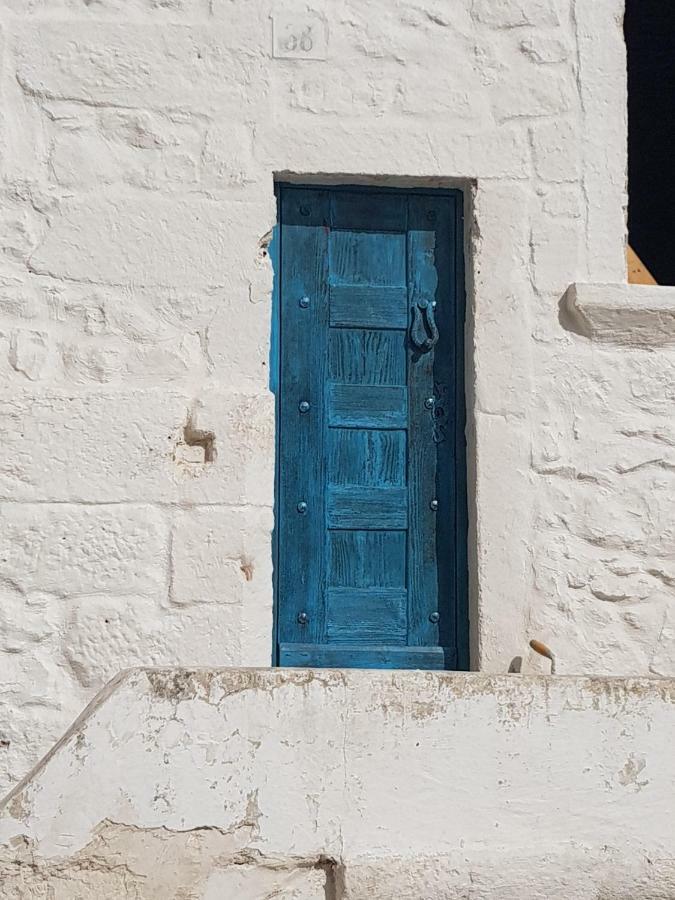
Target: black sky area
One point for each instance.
(650, 38)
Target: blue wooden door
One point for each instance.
(371, 508)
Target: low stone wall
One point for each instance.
(258, 783)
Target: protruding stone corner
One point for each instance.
(630, 315)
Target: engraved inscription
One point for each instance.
(299, 37)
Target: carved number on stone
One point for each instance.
(302, 37)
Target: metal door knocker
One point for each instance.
(423, 331)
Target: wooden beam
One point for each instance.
(638, 273)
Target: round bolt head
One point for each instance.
(303, 406)
(433, 505)
(304, 302)
(303, 618)
(429, 403)
(302, 507)
(434, 618)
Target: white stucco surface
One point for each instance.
(139, 145)
(352, 785)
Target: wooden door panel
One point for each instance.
(356, 506)
(368, 306)
(353, 351)
(376, 615)
(360, 457)
(367, 406)
(370, 462)
(364, 559)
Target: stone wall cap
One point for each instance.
(633, 315)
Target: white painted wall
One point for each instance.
(139, 146)
(352, 785)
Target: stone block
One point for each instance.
(221, 555)
(253, 882)
(27, 620)
(29, 353)
(109, 146)
(143, 10)
(227, 160)
(172, 66)
(132, 447)
(238, 334)
(105, 634)
(395, 148)
(556, 149)
(557, 253)
(502, 211)
(76, 549)
(185, 243)
(529, 90)
(22, 224)
(544, 48)
(514, 14)
(635, 315)
(566, 201)
(32, 718)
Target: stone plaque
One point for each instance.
(299, 36)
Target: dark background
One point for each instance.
(650, 38)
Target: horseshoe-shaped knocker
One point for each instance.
(423, 331)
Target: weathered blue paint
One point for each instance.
(371, 492)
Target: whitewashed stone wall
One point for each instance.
(300, 785)
(139, 145)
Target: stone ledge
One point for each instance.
(350, 784)
(633, 315)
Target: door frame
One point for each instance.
(461, 480)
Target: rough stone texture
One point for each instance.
(138, 147)
(335, 785)
(630, 314)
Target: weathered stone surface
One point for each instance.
(556, 150)
(114, 63)
(512, 14)
(143, 10)
(557, 253)
(104, 634)
(74, 549)
(138, 148)
(187, 244)
(290, 783)
(634, 315)
(221, 555)
(121, 447)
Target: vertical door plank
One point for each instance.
(427, 255)
(304, 331)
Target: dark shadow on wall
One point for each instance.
(650, 38)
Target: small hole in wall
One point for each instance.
(196, 437)
(4, 743)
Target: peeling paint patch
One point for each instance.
(629, 775)
(125, 861)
